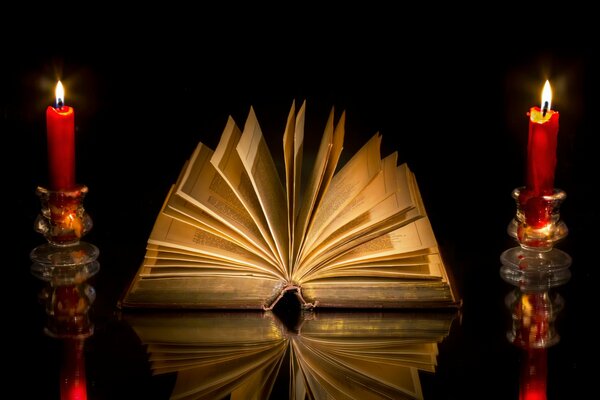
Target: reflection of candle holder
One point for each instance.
(67, 310)
(63, 222)
(67, 307)
(533, 330)
(537, 227)
(533, 318)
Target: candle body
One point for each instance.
(541, 152)
(60, 129)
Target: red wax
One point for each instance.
(60, 128)
(541, 151)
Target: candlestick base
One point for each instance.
(537, 227)
(63, 222)
(535, 270)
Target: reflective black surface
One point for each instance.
(142, 105)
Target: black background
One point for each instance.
(450, 97)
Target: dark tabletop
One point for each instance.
(456, 114)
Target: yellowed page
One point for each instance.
(315, 181)
(228, 164)
(194, 263)
(257, 160)
(416, 236)
(293, 145)
(171, 232)
(184, 211)
(425, 271)
(156, 268)
(173, 254)
(345, 186)
(202, 186)
(394, 211)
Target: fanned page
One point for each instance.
(240, 355)
(293, 145)
(232, 234)
(345, 186)
(326, 161)
(227, 162)
(259, 164)
(204, 188)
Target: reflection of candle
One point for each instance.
(534, 374)
(541, 148)
(60, 129)
(533, 333)
(72, 374)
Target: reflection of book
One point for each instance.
(230, 235)
(331, 355)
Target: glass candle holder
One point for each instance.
(537, 225)
(63, 222)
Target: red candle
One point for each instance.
(60, 129)
(541, 148)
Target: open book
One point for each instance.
(251, 355)
(231, 235)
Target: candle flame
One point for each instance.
(60, 94)
(547, 96)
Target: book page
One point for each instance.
(326, 161)
(228, 164)
(257, 160)
(430, 270)
(171, 232)
(396, 210)
(154, 268)
(174, 254)
(293, 145)
(184, 211)
(202, 186)
(414, 237)
(345, 186)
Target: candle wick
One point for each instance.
(545, 109)
(59, 104)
